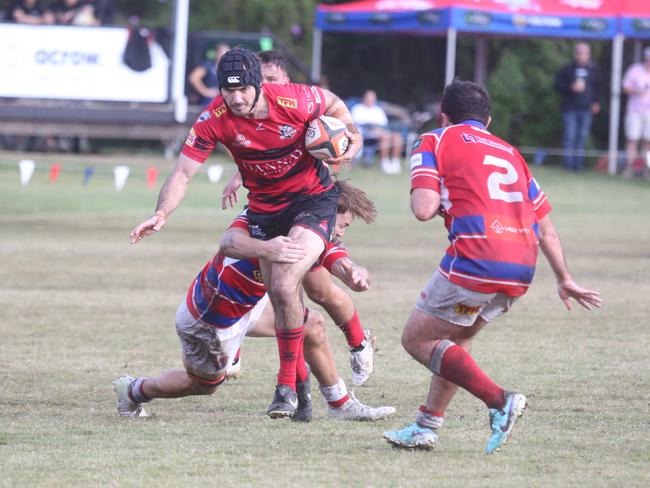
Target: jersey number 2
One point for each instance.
(496, 179)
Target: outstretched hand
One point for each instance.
(148, 227)
(589, 299)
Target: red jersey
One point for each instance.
(491, 205)
(226, 289)
(270, 153)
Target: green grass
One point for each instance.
(80, 306)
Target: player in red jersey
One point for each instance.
(496, 215)
(290, 193)
(318, 284)
(227, 302)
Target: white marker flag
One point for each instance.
(121, 175)
(214, 172)
(26, 170)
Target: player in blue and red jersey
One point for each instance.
(496, 215)
(290, 193)
(227, 302)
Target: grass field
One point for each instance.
(80, 306)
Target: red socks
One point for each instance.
(353, 331)
(457, 366)
(290, 351)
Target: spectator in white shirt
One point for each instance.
(373, 124)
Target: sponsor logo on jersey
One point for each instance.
(219, 111)
(191, 138)
(287, 132)
(417, 143)
(476, 139)
(463, 309)
(416, 160)
(204, 116)
(257, 275)
(241, 141)
(233, 79)
(314, 90)
(260, 126)
(310, 107)
(272, 168)
(287, 102)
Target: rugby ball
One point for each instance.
(325, 138)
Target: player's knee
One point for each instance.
(203, 385)
(409, 340)
(284, 292)
(315, 328)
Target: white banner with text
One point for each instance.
(78, 63)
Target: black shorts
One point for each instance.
(314, 212)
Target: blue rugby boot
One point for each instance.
(503, 420)
(412, 437)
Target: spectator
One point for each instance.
(579, 86)
(28, 12)
(74, 12)
(373, 124)
(636, 84)
(204, 77)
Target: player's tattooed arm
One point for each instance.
(236, 243)
(355, 277)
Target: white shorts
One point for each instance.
(637, 126)
(452, 303)
(208, 351)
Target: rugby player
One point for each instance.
(317, 283)
(290, 193)
(227, 301)
(496, 215)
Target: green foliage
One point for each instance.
(521, 83)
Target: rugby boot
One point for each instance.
(284, 404)
(362, 360)
(125, 406)
(303, 390)
(353, 409)
(412, 437)
(503, 420)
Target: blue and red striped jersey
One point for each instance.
(226, 289)
(490, 203)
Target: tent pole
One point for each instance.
(615, 102)
(450, 63)
(316, 55)
(480, 61)
(179, 56)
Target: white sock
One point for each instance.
(427, 420)
(335, 392)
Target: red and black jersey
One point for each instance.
(270, 153)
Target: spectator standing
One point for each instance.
(579, 86)
(28, 12)
(204, 77)
(373, 124)
(636, 84)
